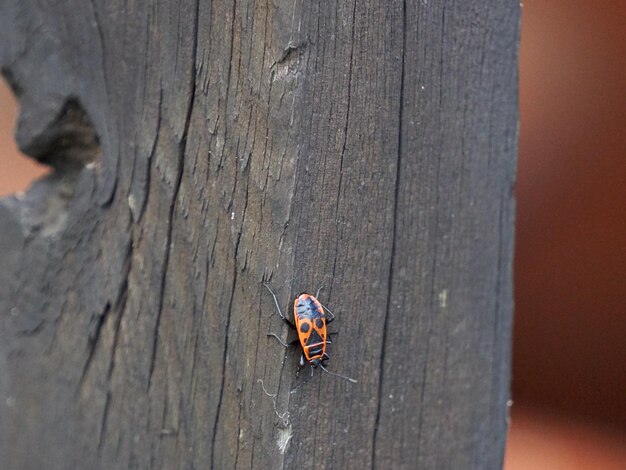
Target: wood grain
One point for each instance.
(367, 147)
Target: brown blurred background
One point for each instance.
(569, 351)
(16, 171)
(569, 360)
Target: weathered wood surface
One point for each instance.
(201, 147)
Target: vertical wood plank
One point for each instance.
(201, 148)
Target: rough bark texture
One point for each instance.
(201, 147)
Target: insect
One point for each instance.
(310, 323)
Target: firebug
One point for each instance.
(310, 323)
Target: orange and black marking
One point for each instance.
(311, 326)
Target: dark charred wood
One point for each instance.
(202, 148)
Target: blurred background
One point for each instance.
(569, 354)
(569, 349)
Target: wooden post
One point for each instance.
(202, 147)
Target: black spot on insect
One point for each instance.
(304, 328)
(319, 323)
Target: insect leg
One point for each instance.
(325, 358)
(278, 307)
(287, 345)
(328, 320)
(338, 375)
(317, 294)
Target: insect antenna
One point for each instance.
(338, 375)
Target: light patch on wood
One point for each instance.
(443, 298)
(284, 436)
(132, 204)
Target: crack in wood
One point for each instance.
(394, 254)
(176, 190)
